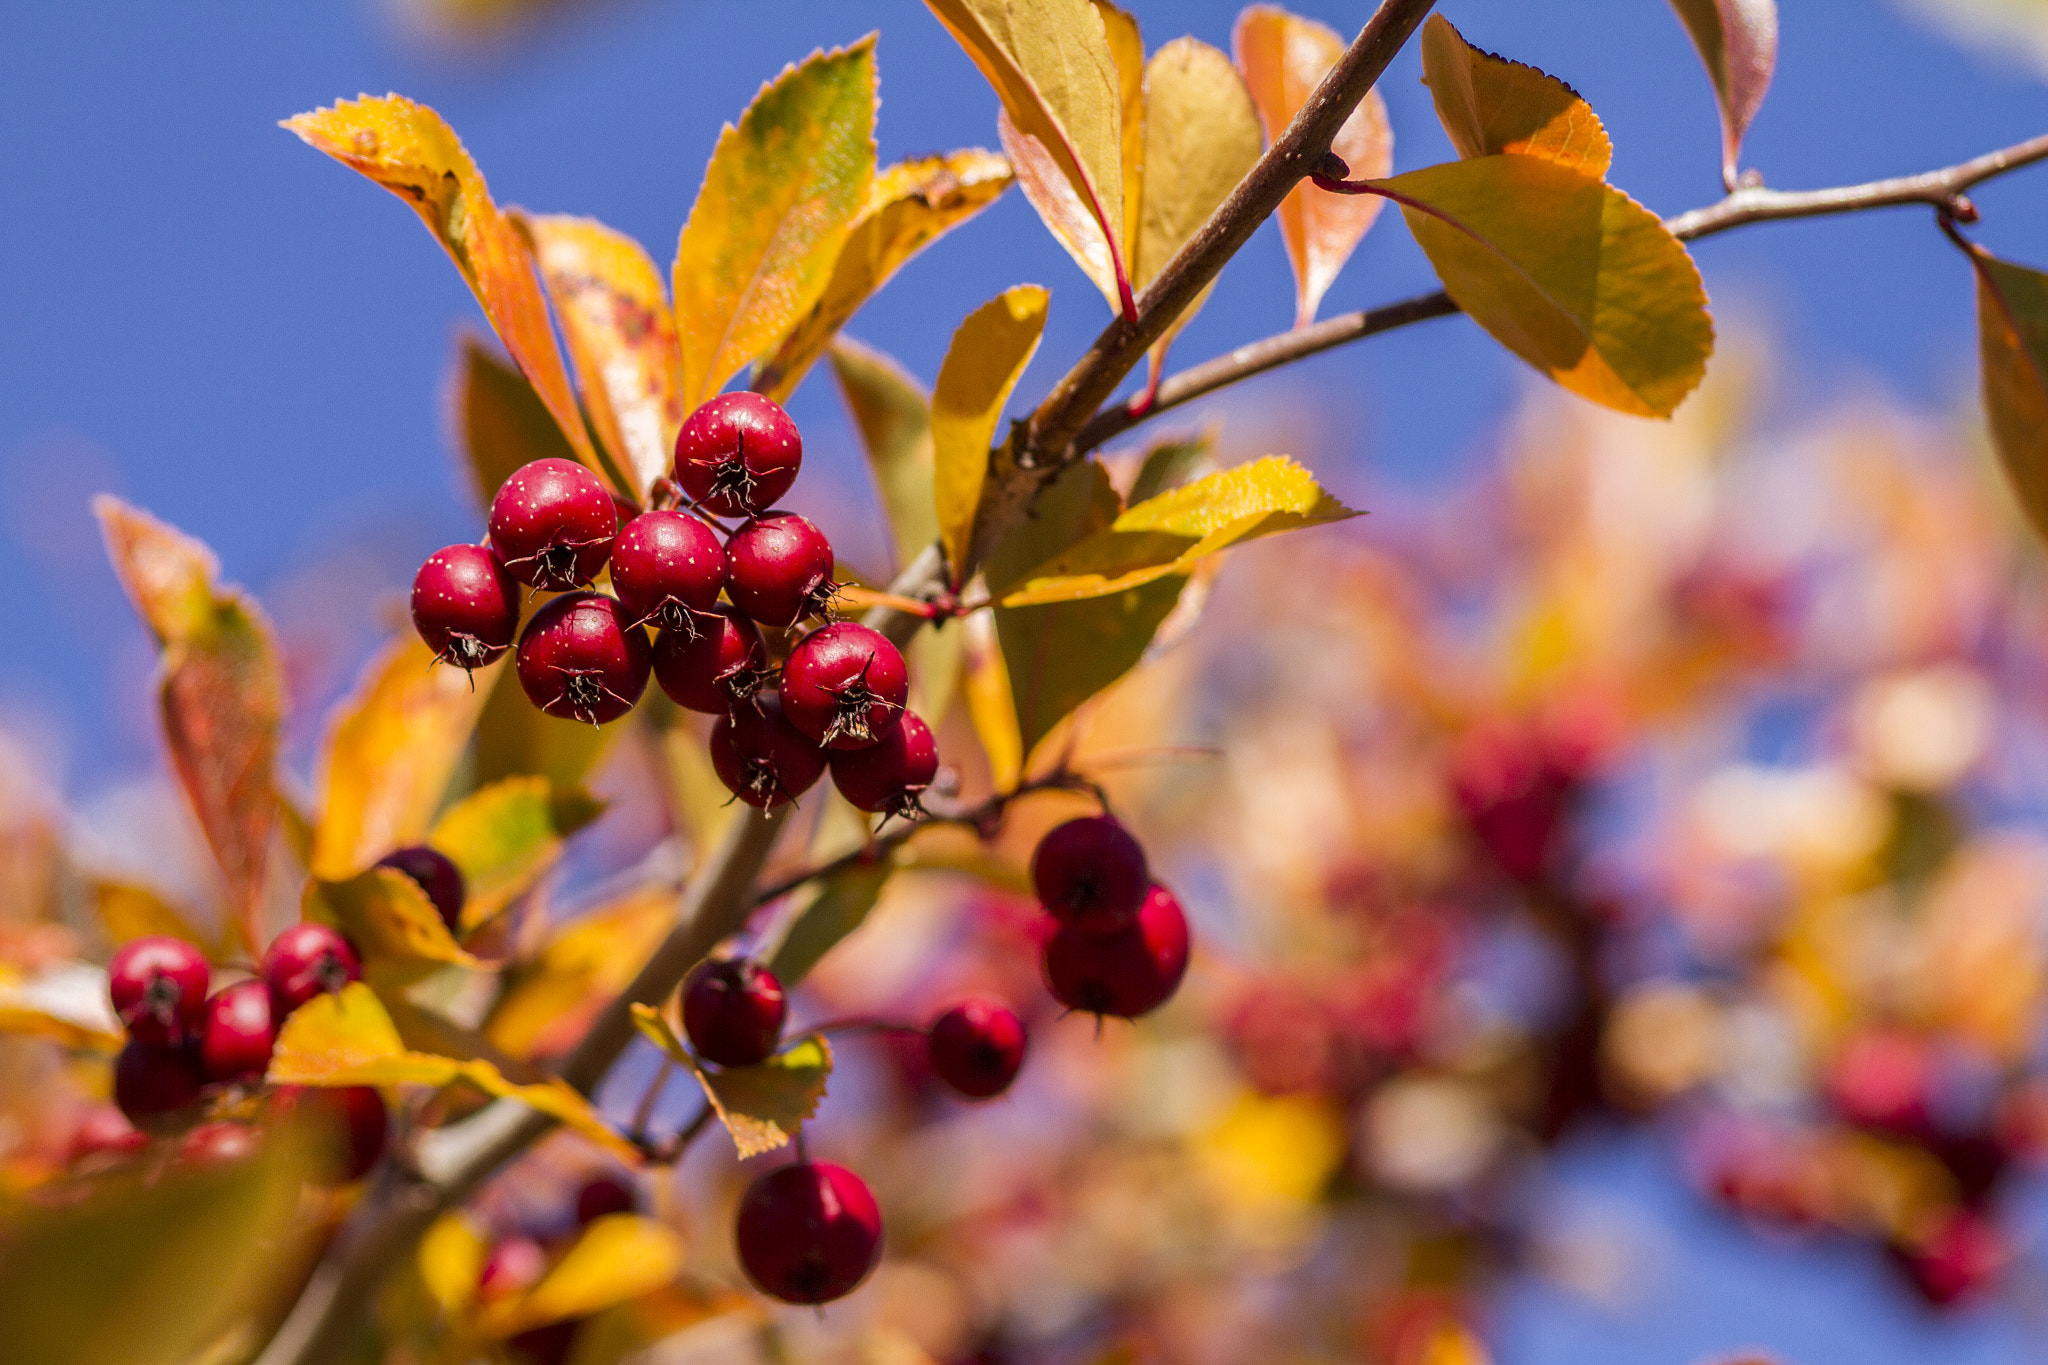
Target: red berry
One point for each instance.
(354, 1115)
(220, 1144)
(844, 685)
(513, 1266)
(1965, 1256)
(737, 454)
(977, 1048)
(580, 660)
(780, 569)
(158, 986)
(1125, 972)
(760, 757)
(552, 524)
(668, 569)
(151, 1082)
(1090, 873)
(733, 1010)
(725, 662)
(809, 1233)
(892, 774)
(304, 961)
(465, 605)
(104, 1131)
(602, 1197)
(236, 1040)
(436, 874)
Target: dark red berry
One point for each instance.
(151, 1083)
(579, 659)
(602, 1197)
(104, 1131)
(304, 961)
(355, 1119)
(668, 569)
(1964, 1257)
(892, 774)
(552, 524)
(436, 874)
(809, 1233)
(465, 605)
(1090, 873)
(737, 454)
(760, 757)
(977, 1048)
(733, 1010)
(779, 569)
(220, 1144)
(236, 1040)
(1125, 972)
(844, 685)
(723, 664)
(513, 1266)
(158, 986)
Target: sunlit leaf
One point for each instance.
(983, 364)
(505, 835)
(548, 1001)
(1738, 41)
(128, 911)
(1171, 463)
(778, 202)
(1127, 50)
(1489, 105)
(991, 705)
(408, 149)
(619, 1257)
(1071, 222)
(893, 414)
(2012, 337)
(1284, 57)
(500, 420)
(399, 933)
(451, 1259)
(830, 909)
(761, 1106)
(67, 1005)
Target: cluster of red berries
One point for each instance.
(1121, 942)
(837, 697)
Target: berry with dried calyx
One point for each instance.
(890, 775)
(153, 1083)
(1965, 1255)
(436, 874)
(977, 1047)
(552, 524)
(235, 1042)
(304, 961)
(465, 605)
(601, 1197)
(1125, 972)
(579, 659)
(733, 1009)
(737, 454)
(668, 569)
(220, 1144)
(1090, 873)
(779, 569)
(760, 757)
(724, 664)
(158, 986)
(844, 685)
(809, 1233)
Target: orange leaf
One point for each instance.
(1489, 104)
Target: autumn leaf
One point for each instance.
(547, 1000)
(504, 836)
(128, 911)
(1738, 41)
(829, 909)
(2012, 336)
(1127, 51)
(761, 1106)
(991, 703)
(893, 415)
(65, 1004)
(500, 421)
(618, 1258)
(1491, 105)
(1170, 463)
(982, 366)
(399, 933)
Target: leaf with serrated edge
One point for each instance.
(504, 836)
(408, 149)
(2012, 334)
(1568, 273)
(1489, 105)
(761, 1106)
(399, 933)
(778, 202)
(499, 421)
(1738, 41)
(983, 364)
(618, 1258)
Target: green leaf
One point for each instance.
(1738, 41)
(1568, 273)
(2012, 335)
(894, 417)
(778, 203)
(504, 836)
(983, 364)
(1171, 463)
(1490, 105)
(761, 1106)
(501, 420)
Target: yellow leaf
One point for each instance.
(1127, 50)
(451, 1259)
(1567, 272)
(1738, 41)
(501, 421)
(893, 414)
(1070, 221)
(68, 1007)
(619, 1257)
(982, 366)
(1284, 57)
(1491, 105)
(546, 1001)
(505, 836)
(912, 205)
(2012, 336)
(761, 1106)
(991, 705)
(390, 752)
(409, 150)
(622, 339)
(778, 202)
(127, 911)
(394, 926)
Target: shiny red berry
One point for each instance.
(780, 569)
(733, 1010)
(220, 1144)
(235, 1043)
(158, 986)
(1125, 972)
(889, 776)
(844, 685)
(723, 664)
(552, 524)
(436, 874)
(465, 605)
(151, 1083)
(304, 961)
(668, 569)
(104, 1131)
(809, 1233)
(1090, 873)
(353, 1118)
(760, 757)
(601, 1197)
(580, 659)
(737, 454)
(977, 1047)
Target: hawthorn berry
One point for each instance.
(737, 454)
(977, 1047)
(158, 986)
(104, 1131)
(465, 605)
(151, 1082)
(844, 685)
(1966, 1254)
(304, 961)
(1125, 972)
(733, 1010)
(552, 524)
(668, 569)
(436, 874)
(779, 569)
(891, 774)
(809, 1233)
(601, 1197)
(1090, 873)
(760, 757)
(354, 1117)
(220, 1144)
(579, 659)
(724, 663)
(235, 1042)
